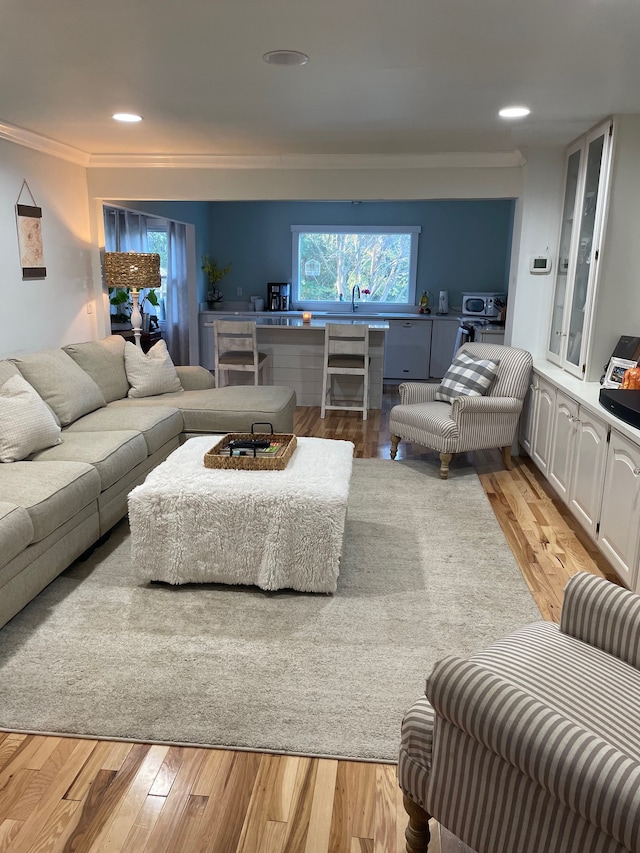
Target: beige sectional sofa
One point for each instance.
(103, 440)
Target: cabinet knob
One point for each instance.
(636, 471)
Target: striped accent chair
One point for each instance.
(533, 746)
(468, 422)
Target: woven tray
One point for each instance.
(216, 457)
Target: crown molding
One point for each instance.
(461, 160)
(35, 141)
(452, 160)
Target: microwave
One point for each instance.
(487, 305)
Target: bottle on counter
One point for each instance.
(423, 307)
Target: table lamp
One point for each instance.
(132, 271)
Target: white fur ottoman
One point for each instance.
(274, 529)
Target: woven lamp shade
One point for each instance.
(132, 269)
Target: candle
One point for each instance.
(306, 316)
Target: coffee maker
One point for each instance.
(278, 296)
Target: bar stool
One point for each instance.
(235, 348)
(346, 352)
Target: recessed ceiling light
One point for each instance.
(514, 112)
(285, 57)
(131, 117)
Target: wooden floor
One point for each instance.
(75, 795)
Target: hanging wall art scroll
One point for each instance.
(29, 218)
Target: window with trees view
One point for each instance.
(329, 262)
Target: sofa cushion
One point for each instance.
(103, 360)
(61, 383)
(193, 377)
(230, 409)
(51, 492)
(467, 376)
(16, 531)
(7, 369)
(158, 424)
(26, 422)
(150, 373)
(113, 454)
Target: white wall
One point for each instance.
(536, 230)
(52, 311)
(286, 184)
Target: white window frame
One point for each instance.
(325, 305)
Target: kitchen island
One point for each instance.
(295, 351)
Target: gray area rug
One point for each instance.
(426, 572)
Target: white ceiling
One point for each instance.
(384, 76)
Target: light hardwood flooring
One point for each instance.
(74, 796)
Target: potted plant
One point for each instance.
(214, 274)
(119, 297)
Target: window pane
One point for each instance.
(331, 265)
(157, 242)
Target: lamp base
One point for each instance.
(136, 317)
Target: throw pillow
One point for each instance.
(467, 376)
(7, 369)
(69, 391)
(103, 360)
(26, 423)
(150, 374)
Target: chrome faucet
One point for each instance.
(355, 287)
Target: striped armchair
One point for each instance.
(467, 423)
(534, 744)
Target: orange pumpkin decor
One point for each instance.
(631, 378)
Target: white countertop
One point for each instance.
(585, 393)
(286, 321)
(361, 314)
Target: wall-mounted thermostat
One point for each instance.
(540, 264)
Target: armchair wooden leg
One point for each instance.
(506, 458)
(417, 832)
(395, 441)
(445, 458)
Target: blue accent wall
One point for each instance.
(464, 245)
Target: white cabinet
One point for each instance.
(563, 445)
(443, 343)
(407, 350)
(590, 456)
(592, 466)
(578, 457)
(543, 417)
(586, 184)
(573, 443)
(527, 418)
(490, 336)
(619, 535)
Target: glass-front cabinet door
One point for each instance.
(576, 276)
(556, 333)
